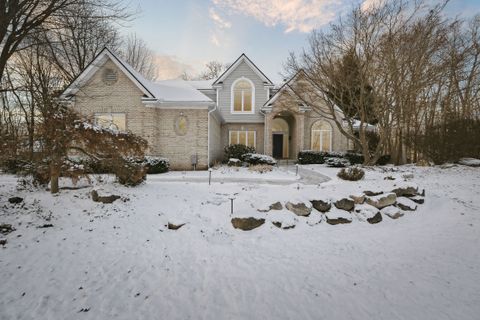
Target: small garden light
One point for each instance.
(231, 205)
(209, 176)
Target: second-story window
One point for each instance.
(242, 96)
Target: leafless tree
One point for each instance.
(213, 69)
(137, 53)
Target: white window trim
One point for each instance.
(232, 97)
(230, 133)
(321, 136)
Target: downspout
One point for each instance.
(208, 130)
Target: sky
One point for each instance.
(186, 34)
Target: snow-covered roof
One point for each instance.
(161, 91)
(201, 84)
(178, 90)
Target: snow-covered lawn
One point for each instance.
(120, 261)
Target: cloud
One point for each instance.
(219, 21)
(170, 67)
(368, 5)
(294, 15)
(214, 40)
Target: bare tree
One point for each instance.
(139, 56)
(213, 69)
(21, 18)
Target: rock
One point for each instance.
(392, 212)
(175, 226)
(6, 228)
(320, 205)
(418, 199)
(375, 219)
(103, 199)
(364, 212)
(406, 204)
(358, 198)
(46, 225)
(471, 162)
(276, 206)
(381, 201)
(338, 216)
(372, 193)
(3, 242)
(283, 219)
(280, 225)
(300, 209)
(405, 191)
(15, 200)
(314, 218)
(447, 165)
(345, 204)
(247, 224)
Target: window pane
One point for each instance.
(237, 100)
(119, 121)
(251, 139)
(247, 100)
(316, 140)
(326, 140)
(242, 137)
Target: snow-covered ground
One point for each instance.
(120, 261)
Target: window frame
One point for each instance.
(237, 132)
(321, 132)
(232, 97)
(111, 114)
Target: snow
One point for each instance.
(177, 91)
(471, 162)
(120, 261)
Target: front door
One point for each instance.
(278, 145)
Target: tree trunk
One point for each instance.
(54, 176)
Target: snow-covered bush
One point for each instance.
(256, 158)
(155, 165)
(236, 151)
(337, 162)
(320, 157)
(351, 174)
(234, 162)
(130, 171)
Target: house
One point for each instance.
(190, 122)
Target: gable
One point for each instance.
(97, 65)
(245, 65)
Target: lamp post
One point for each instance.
(296, 167)
(231, 205)
(209, 176)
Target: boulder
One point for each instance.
(300, 209)
(283, 219)
(418, 199)
(345, 204)
(406, 204)
(15, 200)
(103, 199)
(392, 212)
(174, 226)
(6, 228)
(369, 193)
(247, 224)
(320, 205)
(382, 201)
(338, 216)
(3, 242)
(364, 212)
(314, 218)
(407, 191)
(283, 226)
(375, 219)
(276, 206)
(358, 198)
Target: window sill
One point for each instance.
(242, 112)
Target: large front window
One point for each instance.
(242, 96)
(321, 136)
(244, 137)
(114, 121)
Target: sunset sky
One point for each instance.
(185, 34)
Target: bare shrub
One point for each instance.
(351, 174)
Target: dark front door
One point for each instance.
(278, 146)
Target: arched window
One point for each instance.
(242, 96)
(321, 136)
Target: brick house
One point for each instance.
(192, 121)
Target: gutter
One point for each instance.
(208, 131)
